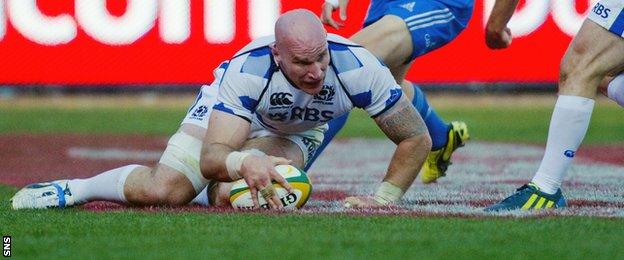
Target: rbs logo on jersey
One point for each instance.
(303, 113)
(601, 10)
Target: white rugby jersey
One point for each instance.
(252, 86)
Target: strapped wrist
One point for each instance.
(388, 193)
(234, 161)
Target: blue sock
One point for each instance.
(334, 126)
(438, 130)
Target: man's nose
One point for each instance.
(315, 71)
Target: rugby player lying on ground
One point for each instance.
(265, 100)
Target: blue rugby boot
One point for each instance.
(529, 197)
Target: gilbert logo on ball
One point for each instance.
(240, 197)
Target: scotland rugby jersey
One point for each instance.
(251, 86)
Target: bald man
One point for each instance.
(268, 105)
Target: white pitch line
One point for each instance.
(481, 172)
(112, 154)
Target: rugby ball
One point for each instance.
(240, 196)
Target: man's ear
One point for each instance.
(275, 52)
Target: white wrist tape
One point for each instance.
(234, 162)
(333, 3)
(388, 193)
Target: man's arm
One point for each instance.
(226, 133)
(497, 34)
(404, 126)
(221, 161)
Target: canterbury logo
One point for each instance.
(281, 99)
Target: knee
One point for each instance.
(578, 72)
(422, 143)
(568, 70)
(171, 195)
(168, 189)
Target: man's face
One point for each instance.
(305, 67)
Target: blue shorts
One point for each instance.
(432, 23)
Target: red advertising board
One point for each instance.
(181, 41)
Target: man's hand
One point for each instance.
(258, 172)
(360, 202)
(497, 34)
(327, 9)
(498, 39)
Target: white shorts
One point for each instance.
(183, 151)
(608, 14)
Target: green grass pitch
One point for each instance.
(75, 233)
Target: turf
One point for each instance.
(506, 124)
(486, 123)
(74, 234)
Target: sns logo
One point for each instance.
(569, 153)
(601, 10)
(6, 246)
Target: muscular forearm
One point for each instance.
(501, 14)
(407, 161)
(404, 126)
(213, 166)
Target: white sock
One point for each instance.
(202, 198)
(615, 90)
(108, 186)
(568, 126)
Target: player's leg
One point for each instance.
(175, 180)
(404, 31)
(130, 184)
(388, 39)
(400, 31)
(446, 138)
(334, 127)
(593, 54)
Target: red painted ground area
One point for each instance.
(607, 154)
(482, 173)
(35, 158)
